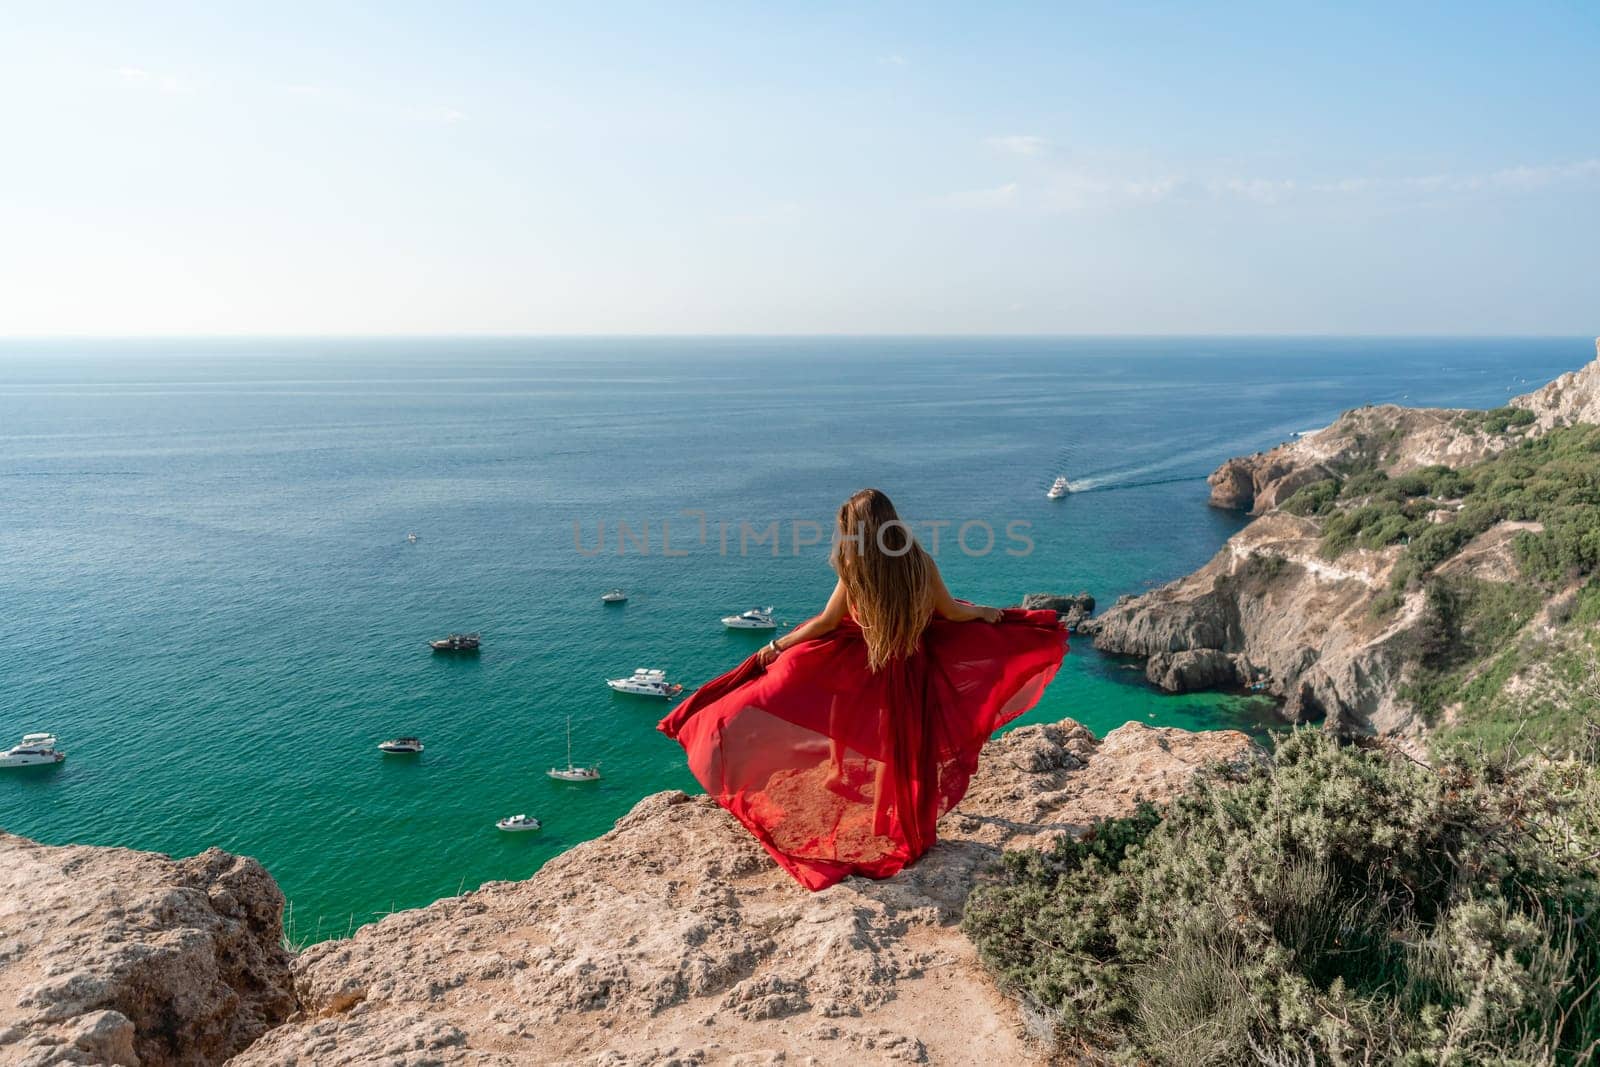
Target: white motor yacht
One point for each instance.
(616, 596)
(754, 619)
(1059, 488)
(401, 746)
(646, 682)
(517, 823)
(572, 772)
(34, 749)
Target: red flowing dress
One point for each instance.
(840, 770)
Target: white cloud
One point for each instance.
(1260, 190)
(983, 199)
(1060, 189)
(1521, 178)
(1020, 144)
(140, 78)
(439, 113)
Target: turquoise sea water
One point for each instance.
(206, 590)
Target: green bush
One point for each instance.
(1318, 498)
(1502, 419)
(1553, 480)
(1466, 622)
(1340, 906)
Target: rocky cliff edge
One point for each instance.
(672, 939)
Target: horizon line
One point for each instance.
(818, 335)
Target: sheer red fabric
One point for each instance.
(838, 770)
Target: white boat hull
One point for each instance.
(636, 690)
(572, 776)
(516, 828)
(734, 622)
(31, 760)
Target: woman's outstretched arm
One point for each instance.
(826, 620)
(948, 607)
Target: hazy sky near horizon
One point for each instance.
(181, 168)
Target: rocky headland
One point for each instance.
(672, 939)
(1324, 602)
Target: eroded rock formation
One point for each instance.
(108, 955)
(1270, 611)
(674, 938)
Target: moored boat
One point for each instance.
(646, 682)
(517, 823)
(615, 596)
(400, 746)
(572, 772)
(455, 643)
(33, 750)
(754, 619)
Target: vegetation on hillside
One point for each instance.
(1553, 480)
(1470, 642)
(1338, 906)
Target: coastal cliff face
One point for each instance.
(108, 955)
(1393, 438)
(1336, 633)
(673, 939)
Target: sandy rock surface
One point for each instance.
(108, 955)
(673, 939)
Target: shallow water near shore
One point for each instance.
(207, 590)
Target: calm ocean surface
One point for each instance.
(207, 592)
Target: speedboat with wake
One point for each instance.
(646, 682)
(754, 619)
(572, 772)
(34, 750)
(1059, 488)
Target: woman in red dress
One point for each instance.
(841, 743)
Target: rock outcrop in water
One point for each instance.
(1073, 609)
(672, 939)
(108, 955)
(1271, 611)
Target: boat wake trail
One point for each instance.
(1109, 484)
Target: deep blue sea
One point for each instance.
(206, 588)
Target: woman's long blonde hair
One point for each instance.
(887, 576)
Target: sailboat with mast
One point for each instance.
(574, 773)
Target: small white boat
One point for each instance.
(517, 823)
(413, 538)
(646, 682)
(400, 746)
(573, 773)
(35, 749)
(1059, 488)
(754, 619)
(616, 596)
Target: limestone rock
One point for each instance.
(1574, 397)
(113, 956)
(1268, 610)
(1184, 672)
(1073, 609)
(675, 939)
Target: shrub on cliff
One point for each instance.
(1341, 906)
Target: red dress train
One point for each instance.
(839, 770)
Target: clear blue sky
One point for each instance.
(677, 168)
